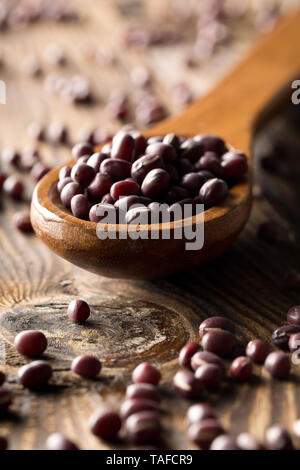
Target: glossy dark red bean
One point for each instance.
(278, 365)
(220, 342)
(138, 216)
(35, 374)
(130, 407)
(246, 441)
(278, 438)
(96, 159)
(105, 424)
(140, 143)
(144, 165)
(233, 166)
(82, 174)
(39, 170)
(191, 150)
(3, 443)
(5, 400)
(100, 186)
(118, 105)
(2, 378)
(62, 183)
(293, 315)
(210, 162)
(224, 442)
(64, 172)
(166, 151)
(281, 336)
(215, 323)
(156, 183)
(172, 139)
(199, 412)
(36, 131)
(58, 441)
(124, 188)
(187, 385)
(86, 366)
(22, 221)
(57, 133)
(202, 433)
(257, 350)
(193, 182)
(143, 428)
(213, 192)
(123, 146)
(11, 156)
(68, 192)
(294, 342)
(80, 207)
(241, 369)
(173, 172)
(116, 169)
(176, 194)
(143, 391)
(13, 187)
(186, 354)
(100, 211)
(30, 157)
(201, 358)
(146, 373)
(125, 203)
(107, 199)
(31, 343)
(185, 166)
(81, 149)
(78, 311)
(210, 375)
(212, 143)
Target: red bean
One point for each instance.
(191, 150)
(212, 143)
(247, 442)
(96, 159)
(39, 170)
(58, 441)
(22, 221)
(100, 211)
(186, 354)
(210, 375)
(31, 343)
(11, 156)
(86, 366)
(123, 147)
(224, 442)
(68, 192)
(81, 149)
(146, 373)
(105, 424)
(130, 407)
(278, 364)
(241, 369)
(143, 428)
(202, 433)
(143, 391)
(176, 194)
(165, 151)
(201, 358)
(257, 351)
(293, 315)
(199, 412)
(234, 165)
(13, 187)
(82, 174)
(219, 342)
(64, 172)
(213, 192)
(124, 188)
(193, 182)
(187, 385)
(78, 311)
(294, 342)
(117, 169)
(278, 438)
(281, 336)
(156, 183)
(100, 186)
(80, 206)
(215, 323)
(144, 165)
(210, 162)
(35, 374)
(62, 183)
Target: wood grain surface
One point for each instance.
(133, 321)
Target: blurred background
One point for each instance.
(79, 70)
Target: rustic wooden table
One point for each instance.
(131, 321)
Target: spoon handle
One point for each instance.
(232, 108)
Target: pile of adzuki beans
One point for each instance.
(203, 370)
(135, 171)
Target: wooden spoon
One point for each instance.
(234, 110)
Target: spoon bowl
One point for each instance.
(233, 110)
